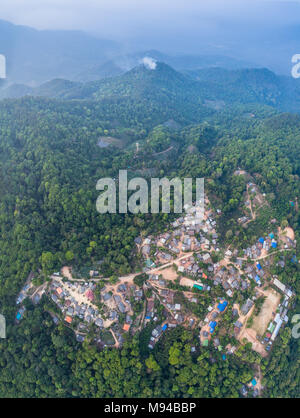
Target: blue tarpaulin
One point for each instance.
(222, 306)
(212, 325)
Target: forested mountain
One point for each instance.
(206, 90)
(252, 85)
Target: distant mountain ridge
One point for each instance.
(121, 64)
(35, 56)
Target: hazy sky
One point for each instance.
(118, 18)
(263, 32)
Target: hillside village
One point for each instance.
(228, 297)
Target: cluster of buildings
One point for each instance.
(20, 314)
(262, 247)
(166, 298)
(211, 321)
(245, 309)
(23, 294)
(243, 220)
(189, 267)
(230, 279)
(190, 233)
(190, 244)
(156, 334)
(251, 387)
(75, 299)
(28, 291)
(118, 302)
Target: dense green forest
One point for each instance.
(50, 162)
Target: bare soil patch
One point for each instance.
(262, 321)
(169, 274)
(184, 281)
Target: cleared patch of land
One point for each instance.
(184, 281)
(169, 274)
(106, 141)
(2, 327)
(262, 321)
(250, 335)
(66, 272)
(290, 233)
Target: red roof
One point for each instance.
(90, 295)
(68, 319)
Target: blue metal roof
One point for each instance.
(222, 306)
(212, 325)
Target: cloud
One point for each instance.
(149, 63)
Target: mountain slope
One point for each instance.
(163, 86)
(252, 86)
